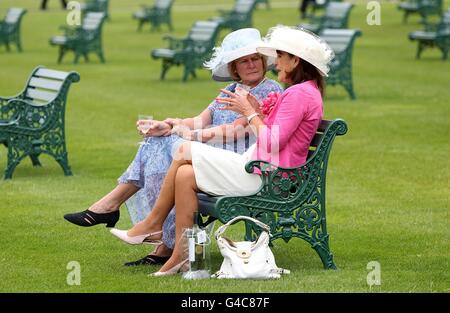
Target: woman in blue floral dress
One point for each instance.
(140, 184)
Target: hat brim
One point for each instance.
(221, 73)
(270, 50)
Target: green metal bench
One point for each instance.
(83, 39)
(239, 17)
(424, 8)
(336, 16)
(156, 15)
(342, 42)
(99, 6)
(434, 35)
(291, 200)
(10, 28)
(32, 122)
(191, 51)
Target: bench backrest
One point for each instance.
(44, 85)
(340, 40)
(163, 4)
(14, 15)
(244, 6)
(204, 31)
(337, 14)
(93, 20)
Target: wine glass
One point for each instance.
(144, 122)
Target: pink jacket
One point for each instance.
(290, 126)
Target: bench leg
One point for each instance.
(100, 56)
(64, 163)
(19, 45)
(61, 54)
(15, 155)
(420, 48)
(140, 24)
(77, 57)
(165, 67)
(35, 160)
(323, 250)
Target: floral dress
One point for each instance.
(152, 161)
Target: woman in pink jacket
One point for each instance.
(283, 133)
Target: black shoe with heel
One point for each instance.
(88, 218)
(150, 259)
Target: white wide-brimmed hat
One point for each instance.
(235, 45)
(299, 42)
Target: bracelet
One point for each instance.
(195, 134)
(251, 116)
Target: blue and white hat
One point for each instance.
(235, 45)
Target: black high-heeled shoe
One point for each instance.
(88, 218)
(150, 259)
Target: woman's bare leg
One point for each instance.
(166, 200)
(113, 200)
(186, 203)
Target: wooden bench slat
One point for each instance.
(52, 74)
(45, 83)
(37, 94)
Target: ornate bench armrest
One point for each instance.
(26, 114)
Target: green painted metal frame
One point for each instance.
(291, 200)
(10, 30)
(30, 129)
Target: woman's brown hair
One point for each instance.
(234, 74)
(305, 71)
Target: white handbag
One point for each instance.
(247, 259)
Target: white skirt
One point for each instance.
(222, 172)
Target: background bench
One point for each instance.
(32, 122)
(424, 8)
(83, 39)
(240, 16)
(10, 28)
(291, 200)
(342, 42)
(336, 15)
(158, 14)
(191, 51)
(434, 35)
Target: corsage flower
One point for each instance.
(269, 102)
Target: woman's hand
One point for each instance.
(238, 103)
(183, 131)
(157, 129)
(172, 122)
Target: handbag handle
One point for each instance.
(222, 228)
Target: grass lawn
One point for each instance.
(388, 177)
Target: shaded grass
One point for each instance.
(387, 187)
